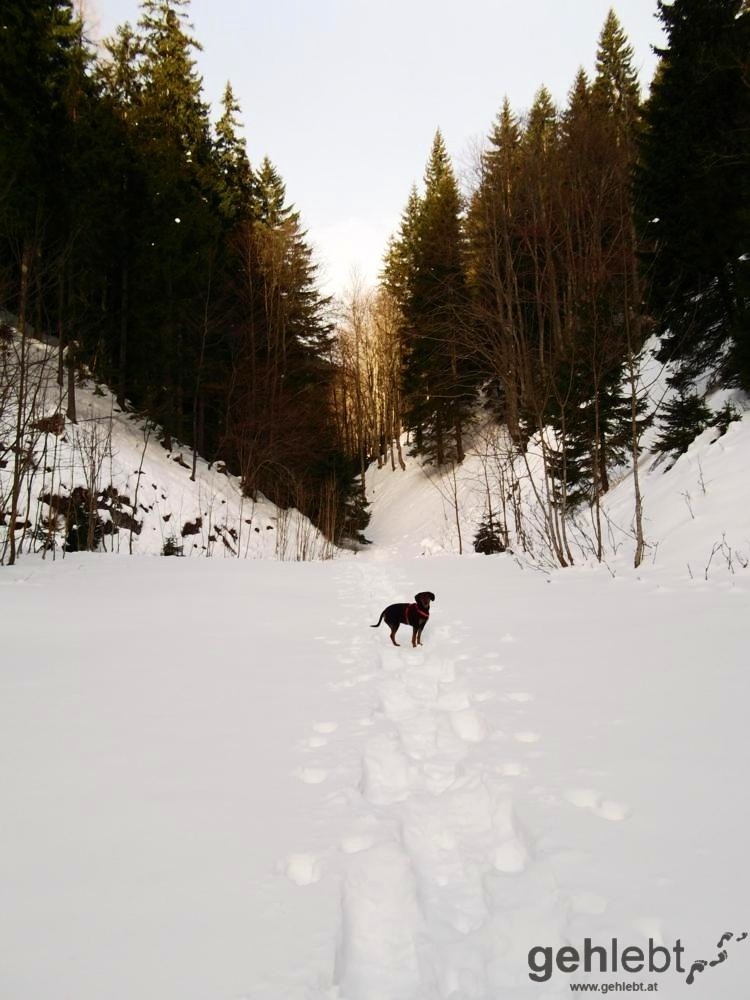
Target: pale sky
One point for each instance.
(345, 96)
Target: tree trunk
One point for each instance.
(18, 459)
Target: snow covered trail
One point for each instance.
(425, 908)
(219, 783)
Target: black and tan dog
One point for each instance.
(415, 615)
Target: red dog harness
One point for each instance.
(416, 607)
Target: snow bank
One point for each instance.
(149, 502)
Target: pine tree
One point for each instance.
(279, 413)
(616, 89)
(175, 255)
(491, 253)
(235, 179)
(400, 262)
(683, 419)
(490, 537)
(693, 189)
(600, 126)
(425, 271)
(542, 124)
(172, 108)
(37, 58)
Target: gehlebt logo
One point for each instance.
(615, 958)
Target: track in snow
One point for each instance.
(443, 887)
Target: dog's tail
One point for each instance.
(379, 620)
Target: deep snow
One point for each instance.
(218, 783)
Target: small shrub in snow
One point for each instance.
(725, 416)
(683, 419)
(172, 547)
(54, 424)
(84, 527)
(490, 537)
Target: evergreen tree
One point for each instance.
(176, 251)
(683, 419)
(492, 246)
(599, 142)
(172, 110)
(490, 537)
(542, 124)
(425, 272)
(400, 263)
(38, 57)
(693, 189)
(235, 179)
(616, 89)
(279, 413)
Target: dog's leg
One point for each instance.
(415, 637)
(394, 630)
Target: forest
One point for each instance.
(135, 232)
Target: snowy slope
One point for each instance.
(140, 483)
(696, 516)
(219, 783)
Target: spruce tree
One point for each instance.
(693, 189)
(616, 89)
(176, 250)
(683, 419)
(37, 59)
(280, 424)
(491, 252)
(235, 178)
(438, 382)
(400, 262)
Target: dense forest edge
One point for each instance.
(136, 234)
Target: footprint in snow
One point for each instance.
(453, 701)
(510, 857)
(511, 769)
(481, 696)
(468, 726)
(325, 727)
(303, 869)
(386, 772)
(589, 904)
(510, 854)
(311, 775)
(355, 843)
(526, 736)
(587, 798)
(317, 741)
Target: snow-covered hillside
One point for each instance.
(146, 499)
(219, 783)
(695, 519)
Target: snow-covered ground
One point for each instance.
(218, 783)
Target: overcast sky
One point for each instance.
(345, 96)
